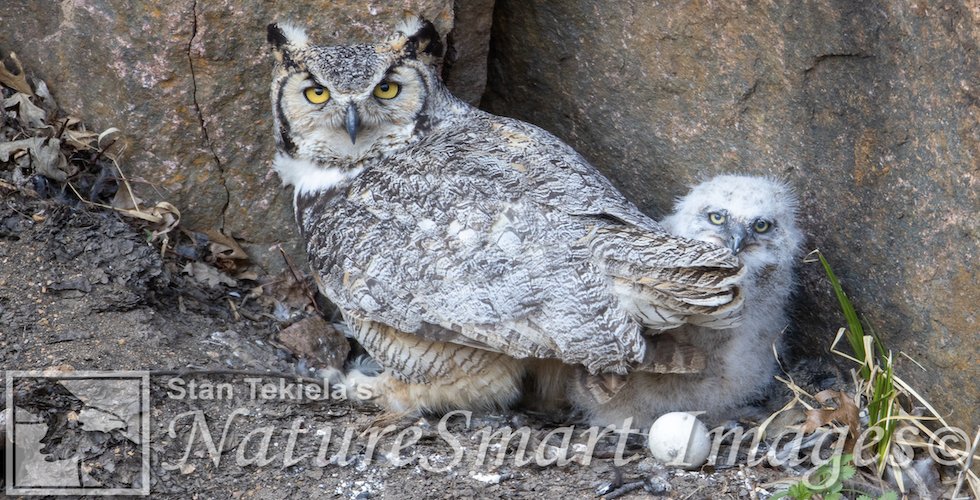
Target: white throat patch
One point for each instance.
(308, 177)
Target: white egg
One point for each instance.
(680, 440)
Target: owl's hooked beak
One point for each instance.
(738, 238)
(353, 123)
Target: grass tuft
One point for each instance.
(878, 390)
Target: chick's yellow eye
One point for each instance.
(317, 95)
(716, 218)
(761, 226)
(387, 90)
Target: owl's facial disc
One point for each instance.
(383, 91)
(738, 235)
(732, 232)
(342, 105)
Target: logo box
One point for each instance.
(102, 422)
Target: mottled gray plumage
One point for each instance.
(756, 218)
(457, 243)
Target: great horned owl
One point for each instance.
(458, 244)
(755, 218)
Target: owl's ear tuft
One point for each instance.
(276, 37)
(426, 40)
(280, 35)
(417, 37)
(284, 39)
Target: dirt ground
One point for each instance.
(82, 289)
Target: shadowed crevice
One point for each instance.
(200, 116)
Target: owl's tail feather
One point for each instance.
(666, 281)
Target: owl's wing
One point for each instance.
(520, 288)
(508, 243)
(469, 259)
(558, 176)
(664, 280)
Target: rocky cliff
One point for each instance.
(870, 109)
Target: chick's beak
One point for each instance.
(353, 123)
(738, 238)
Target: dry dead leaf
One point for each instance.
(44, 97)
(846, 413)
(224, 246)
(159, 214)
(8, 186)
(79, 139)
(29, 115)
(45, 153)
(169, 218)
(75, 134)
(112, 142)
(49, 162)
(208, 275)
(17, 82)
(73, 121)
(22, 177)
(248, 275)
(9, 148)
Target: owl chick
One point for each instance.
(755, 218)
(458, 244)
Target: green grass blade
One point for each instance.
(885, 394)
(855, 333)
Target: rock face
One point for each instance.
(869, 108)
(188, 82)
(465, 62)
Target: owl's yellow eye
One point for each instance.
(387, 90)
(761, 226)
(716, 218)
(317, 95)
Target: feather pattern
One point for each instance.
(757, 217)
(455, 240)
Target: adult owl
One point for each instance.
(458, 244)
(755, 218)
